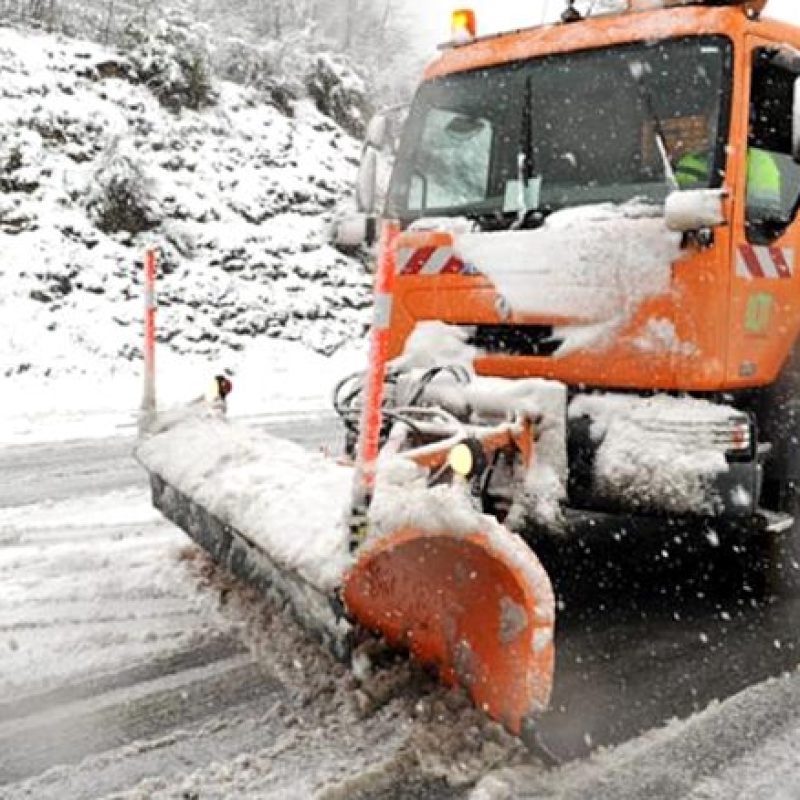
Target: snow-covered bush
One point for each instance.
(13, 160)
(267, 67)
(172, 58)
(339, 92)
(45, 14)
(122, 198)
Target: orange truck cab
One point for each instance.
(612, 203)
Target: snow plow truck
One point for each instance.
(586, 318)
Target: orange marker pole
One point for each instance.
(148, 409)
(372, 410)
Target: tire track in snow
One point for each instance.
(194, 655)
(104, 638)
(31, 473)
(68, 732)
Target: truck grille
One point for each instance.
(514, 340)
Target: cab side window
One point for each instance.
(773, 177)
(453, 168)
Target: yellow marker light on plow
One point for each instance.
(467, 458)
(460, 460)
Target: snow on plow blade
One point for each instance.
(478, 607)
(264, 508)
(236, 552)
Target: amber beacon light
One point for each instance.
(463, 25)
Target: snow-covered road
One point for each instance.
(104, 639)
(130, 668)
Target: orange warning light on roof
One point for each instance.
(463, 25)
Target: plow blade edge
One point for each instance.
(478, 607)
(233, 550)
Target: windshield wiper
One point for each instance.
(525, 156)
(638, 70)
(492, 220)
(509, 220)
(536, 217)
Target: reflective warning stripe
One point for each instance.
(764, 262)
(428, 261)
(784, 262)
(411, 262)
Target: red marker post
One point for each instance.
(148, 409)
(372, 410)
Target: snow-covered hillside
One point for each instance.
(236, 197)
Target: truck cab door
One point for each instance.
(765, 281)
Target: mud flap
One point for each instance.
(478, 607)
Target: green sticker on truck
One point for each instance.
(758, 315)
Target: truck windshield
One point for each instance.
(573, 129)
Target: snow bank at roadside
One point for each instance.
(271, 377)
(747, 748)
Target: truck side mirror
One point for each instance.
(376, 131)
(354, 230)
(367, 180)
(796, 121)
(694, 209)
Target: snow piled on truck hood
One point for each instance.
(594, 263)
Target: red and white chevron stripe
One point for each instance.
(428, 261)
(764, 262)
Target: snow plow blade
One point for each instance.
(478, 607)
(238, 553)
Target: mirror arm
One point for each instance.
(371, 230)
(796, 122)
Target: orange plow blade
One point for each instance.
(478, 607)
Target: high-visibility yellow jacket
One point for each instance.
(763, 176)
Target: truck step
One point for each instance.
(776, 521)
